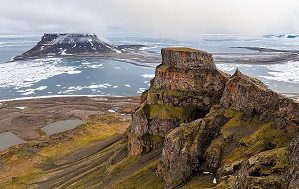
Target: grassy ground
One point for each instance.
(83, 151)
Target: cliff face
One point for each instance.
(226, 131)
(186, 85)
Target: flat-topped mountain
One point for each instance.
(85, 45)
(68, 44)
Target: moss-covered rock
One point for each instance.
(184, 148)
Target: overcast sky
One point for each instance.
(172, 18)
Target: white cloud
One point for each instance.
(35, 16)
(172, 18)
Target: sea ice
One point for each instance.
(26, 73)
(141, 90)
(148, 75)
(287, 72)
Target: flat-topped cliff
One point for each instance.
(215, 130)
(186, 85)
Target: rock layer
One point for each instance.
(234, 128)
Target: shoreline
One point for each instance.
(57, 96)
(288, 94)
(294, 96)
(137, 59)
(259, 55)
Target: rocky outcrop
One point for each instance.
(206, 122)
(186, 85)
(249, 95)
(243, 141)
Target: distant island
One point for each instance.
(89, 45)
(83, 45)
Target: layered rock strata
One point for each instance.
(186, 85)
(230, 127)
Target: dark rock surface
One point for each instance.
(208, 122)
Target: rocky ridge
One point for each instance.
(207, 122)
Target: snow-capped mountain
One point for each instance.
(68, 44)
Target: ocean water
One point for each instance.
(97, 76)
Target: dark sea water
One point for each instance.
(97, 76)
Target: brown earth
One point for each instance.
(71, 159)
(27, 122)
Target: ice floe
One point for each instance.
(148, 75)
(287, 72)
(27, 73)
(141, 90)
(31, 91)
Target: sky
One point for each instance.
(164, 18)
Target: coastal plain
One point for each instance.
(57, 158)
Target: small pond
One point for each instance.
(61, 126)
(8, 139)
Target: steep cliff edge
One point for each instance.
(215, 130)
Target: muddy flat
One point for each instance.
(25, 118)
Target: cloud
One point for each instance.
(166, 18)
(35, 16)
(185, 17)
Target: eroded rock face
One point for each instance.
(186, 85)
(184, 148)
(244, 140)
(243, 93)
